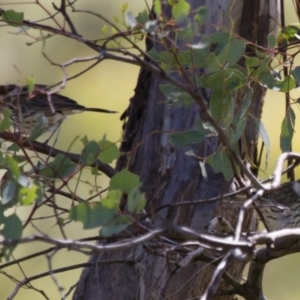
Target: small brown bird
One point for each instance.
(26, 108)
(280, 207)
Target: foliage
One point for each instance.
(221, 62)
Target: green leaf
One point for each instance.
(246, 103)
(186, 34)
(13, 18)
(221, 163)
(133, 200)
(232, 53)
(221, 104)
(264, 136)
(141, 204)
(288, 33)
(284, 86)
(205, 128)
(259, 54)
(12, 227)
(5, 123)
(227, 168)
(112, 199)
(84, 140)
(157, 7)
(96, 214)
(39, 192)
(200, 55)
(9, 192)
(175, 96)
(267, 80)
(183, 139)
(200, 15)
(95, 171)
(244, 106)
(14, 147)
(143, 17)
(296, 74)
(29, 195)
(13, 167)
(3, 163)
(215, 161)
(38, 128)
(180, 10)
(166, 89)
(30, 84)
(20, 159)
(2, 210)
(212, 63)
(61, 166)
(287, 130)
(90, 153)
(154, 54)
(124, 181)
(108, 152)
(263, 67)
(252, 62)
(115, 226)
(219, 41)
(228, 79)
(272, 41)
(240, 127)
(12, 230)
(166, 57)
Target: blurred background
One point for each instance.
(109, 85)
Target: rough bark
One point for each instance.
(170, 176)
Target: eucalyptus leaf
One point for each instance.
(92, 214)
(61, 166)
(244, 107)
(200, 15)
(124, 181)
(296, 74)
(13, 18)
(287, 130)
(38, 128)
(157, 7)
(142, 17)
(183, 139)
(180, 10)
(108, 151)
(272, 41)
(90, 153)
(13, 166)
(115, 226)
(5, 122)
(12, 229)
(221, 164)
(133, 200)
(9, 192)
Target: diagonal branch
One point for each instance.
(53, 152)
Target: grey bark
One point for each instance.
(170, 176)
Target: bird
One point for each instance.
(26, 107)
(280, 207)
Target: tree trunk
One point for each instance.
(170, 176)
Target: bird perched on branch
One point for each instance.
(280, 207)
(27, 107)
